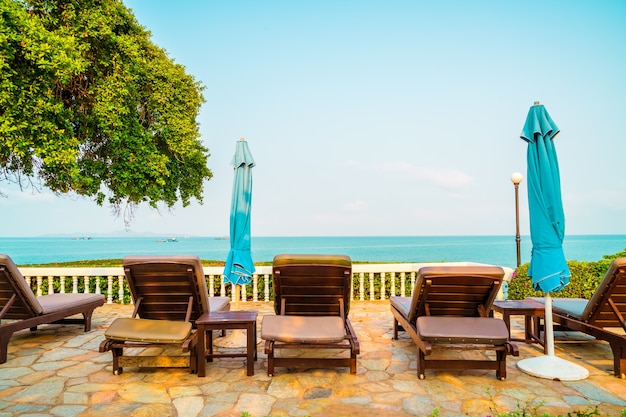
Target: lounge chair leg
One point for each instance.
(421, 364)
(87, 319)
(619, 360)
(395, 329)
(4, 346)
(501, 358)
(269, 350)
(117, 352)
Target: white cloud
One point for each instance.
(443, 177)
(354, 206)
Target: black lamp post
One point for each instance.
(516, 179)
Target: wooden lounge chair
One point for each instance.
(449, 310)
(602, 316)
(169, 293)
(21, 309)
(312, 301)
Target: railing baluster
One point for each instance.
(352, 287)
(110, 289)
(39, 284)
(50, 285)
(372, 289)
(62, 283)
(402, 285)
(393, 283)
(382, 286)
(222, 287)
(120, 290)
(86, 284)
(266, 286)
(361, 286)
(255, 288)
(211, 285)
(74, 284)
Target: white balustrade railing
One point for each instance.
(373, 281)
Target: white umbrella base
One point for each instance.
(236, 339)
(552, 367)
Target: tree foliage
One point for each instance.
(89, 105)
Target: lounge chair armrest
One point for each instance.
(190, 342)
(512, 349)
(351, 335)
(105, 346)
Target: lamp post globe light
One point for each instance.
(516, 179)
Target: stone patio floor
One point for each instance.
(58, 371)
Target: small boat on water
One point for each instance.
(169, 239)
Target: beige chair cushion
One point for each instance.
(301, 329)
(52, 303)
(479, 330)
(402, 304)
(148, 331)
(219, 304)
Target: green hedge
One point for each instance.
(584, 280)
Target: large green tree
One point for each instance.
(89, 105)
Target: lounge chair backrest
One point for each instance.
(13, 285)
(164, 284)
(312, 285)
(455, 290)
(599, 311)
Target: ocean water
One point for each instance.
(496, 250)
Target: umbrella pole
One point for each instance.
(548, 327)
(551, 366)
(236, 338)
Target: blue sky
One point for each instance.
(383, 117)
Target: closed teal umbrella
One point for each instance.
(548, 267)
(239, 266)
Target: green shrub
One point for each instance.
(584, 280)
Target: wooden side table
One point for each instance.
(223, 320)
(532, 312)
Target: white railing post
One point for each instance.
(74, 284)
(351, 287)
(110, 289)
(86, 284)
(211, 285)
(39, 284)
(412, 283)
(120, 288)
(222, 287)
(372, 295)
(402, 285)
(50, 285)
(393, 283)
(255, 288)
(244, 293)
(62, 283)
(361, 286)
(266, 287)
(382, 286)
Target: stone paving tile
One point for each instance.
(58, 371)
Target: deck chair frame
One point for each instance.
(171, 289)
(308, 287)
(464, 293)
(21, 309)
